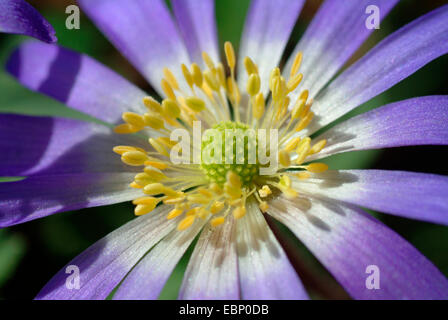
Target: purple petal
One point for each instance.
(391, 61)
(39, 196)
(408, 194)
(336, 32)
(196, 19)
(47, 146)
(103, 265)
(147, 279)
(266, 33)
(76, 80)
(418, 121)
(265, 271)
(347, 241)
(144, 32)
(212, 273)
(17, 16)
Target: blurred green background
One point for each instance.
(30, 254)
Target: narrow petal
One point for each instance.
(196, 20)
(17, 16)
(143, 31)
(391, 61)
(75, 80)
(47, 146)
(103, 265)
(266, 33)
(336, 32)
(265, 271)
(212, 273)
(418, 121)
(348, 241)
(147, 279)
(39, 196)
(408, 194)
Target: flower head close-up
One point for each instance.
(224, 158)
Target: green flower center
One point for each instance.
(238, 146)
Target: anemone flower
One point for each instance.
(70, 164)
(19, 17)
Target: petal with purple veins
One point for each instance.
(266, 33)
(417, 121)
(347, 241)
(149, 276)
(334, 35)
(103, 265)
(19, 17)
(47, 146)
(197, 25)
(392, 60)
(144, 32)
(265, 271)
(76, 80)
(212, 272)
(407, 194)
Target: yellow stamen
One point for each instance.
(239, 212)
(195, 104)
(264, 206)
(294, 82)
(318, 146)
(284, 159)
(171, 108)
(217, 221)
(216, 207)
(174, 214)
(291, 145)
(170, 78)
(250, 66)
(185, 223)
(154, 122)
(253, 84)
(230, 54)
(134, 158)
(166, 87)
(197, 75)
(152, 104)
(208, 60)
(187, 75)
(264, 191)
(296, 64)
(158, 147)
(317, 167)
(259, 106)
(126, 128)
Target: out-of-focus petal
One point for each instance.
(212, 272)
(147, 279)
(392, 60)
(408, 194)
(48, 146)
(336, 32)
(19, 17)
(348, 242)
(266, 33)
(418, 121)
(197, 25)
(76, 80)
(39, 196)
(265, 271)
(103, 265)
(144, 32)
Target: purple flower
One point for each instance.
(69, 164)
(17, 16)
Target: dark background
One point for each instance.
(30, 254)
